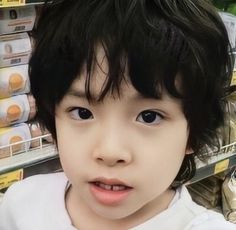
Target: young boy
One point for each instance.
(131, 91)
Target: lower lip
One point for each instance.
(107, 197)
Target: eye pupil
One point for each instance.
(84, 114)
(149, 117)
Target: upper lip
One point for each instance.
(110, 181)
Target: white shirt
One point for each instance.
(38, 203)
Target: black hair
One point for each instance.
(159, 40)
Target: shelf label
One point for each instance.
(8, 179)
(12, 2)
(233, 80)
(221, 166)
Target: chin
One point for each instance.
(113, 213)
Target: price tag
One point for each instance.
(12, 2)
(8, 179)
(221, 166)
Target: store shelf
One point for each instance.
(32, 158)
(226, 159)
(28, 162)
(15, 3)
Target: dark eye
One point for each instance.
(81, 113)
(150, 117)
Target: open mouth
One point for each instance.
(109, 187)
(109, 192)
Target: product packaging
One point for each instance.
(16, 109)
(230, 24)
(229, 198)
(15, 49)
(14, 81)
(199, 199)
(207, 192)
(17, 19)
(11, 135)
(212, 198)
(37, 131)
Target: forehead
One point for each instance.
(95, 81)
(98, 77)
(127, 92)
(97, 84)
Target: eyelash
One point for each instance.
(150, 116)
(76, 112)
(147, 116)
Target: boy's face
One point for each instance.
(122, 154)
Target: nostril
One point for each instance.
(120, 161)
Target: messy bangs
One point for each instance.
(152, 50)
(152, 60)
(164, 45)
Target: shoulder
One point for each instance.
(202, 218)
(210, 221)
(186, 215)
(33, 197)
(47, 180)
(35, 188)
(36, 185)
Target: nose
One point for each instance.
(111, 152)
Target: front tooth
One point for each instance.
(102, 185)
(105, 186)
(108, 187)
(118, 187)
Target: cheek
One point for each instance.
(161, 156)
(71, 148)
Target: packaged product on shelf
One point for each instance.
(15, 49)
(212, 198)
(37, 131)
(16, 109)
(212, 183)
(229, 198)
(230, 24)
(11, 135)
(229, 128)
(199, 199)
(17, 19)
(14, 81)
(32, 106)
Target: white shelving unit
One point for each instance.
(27, 158)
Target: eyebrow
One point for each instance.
(76, 93)
(81, 94)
